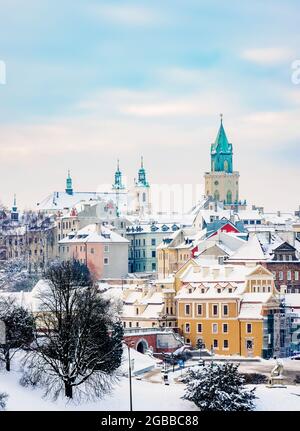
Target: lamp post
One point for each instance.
(129, 344)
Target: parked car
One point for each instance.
(296, 357)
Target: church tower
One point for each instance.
(14, 214)
(69, 187)
(222, 182)
(118, 184)
(142, 192)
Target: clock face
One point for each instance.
(216, 183)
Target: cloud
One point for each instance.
(126, 14)
(267, 56)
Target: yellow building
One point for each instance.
(233, 310)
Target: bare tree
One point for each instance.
(79, 341)
(19, 325)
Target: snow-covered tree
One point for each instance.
(14, 276)
(218, 387)
(3, 399)
(79, 342)
(19, 325)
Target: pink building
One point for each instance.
(104, 251)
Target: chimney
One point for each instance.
(205, 271)
(215, 272)
(228, 270)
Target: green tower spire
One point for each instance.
(69, 187)
(142, 180)
(14, 215)
(221, 152)
(118, 185)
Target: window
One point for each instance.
(215, 310)
(106, 248)
(289, 275)
(199, 328)
(187, 309)
(225, 328)
(296, 275)
(225, 310)
(214, 328)
(137, 324)
(249, 328)
(153, 266)
(124, 324)
(249, 344)
(130, 324)
(153, 241)
(153, 253)
(215, 344)
(144, 241)
(280, 275)
(199, 309)
(225, 344)
(137, 311)
(187, 327)
(92, 250)
(106, 261)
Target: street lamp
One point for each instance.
(130, 344)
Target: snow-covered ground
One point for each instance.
(150, 394)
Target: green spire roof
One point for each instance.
(142, 180)
(69, 187)
(118, 184)
(221, 144)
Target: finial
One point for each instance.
(118, 164)
(142, 162)
(15, 200)
(221, 116)
(69, 173)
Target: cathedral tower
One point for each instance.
(69, 187)
(222, 183)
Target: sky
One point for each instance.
(88, 82)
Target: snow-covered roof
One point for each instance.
(251, 311)
(249, 251)
(257, 297)
(292, 300)
(62, 200)
(214, 273)
(93, 233)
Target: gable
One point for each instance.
(260, 271)
(284, 247)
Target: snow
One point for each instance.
(250, 251)
(141, 362)
(251, 311)
(93, 233)
(146, 396)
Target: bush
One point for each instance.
(219, 387)
(29, 379)
(297, 378)
(3, 399)
(254, 378)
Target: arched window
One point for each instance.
(229, 197)
(144, 197)
(225, 165)
(217, 195)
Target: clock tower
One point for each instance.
(222, 182)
